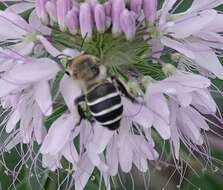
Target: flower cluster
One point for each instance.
(86, 16)
(167, 61)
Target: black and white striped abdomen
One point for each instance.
(104, 102)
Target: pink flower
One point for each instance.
(197, 41)
(26, 93)
(189, 98)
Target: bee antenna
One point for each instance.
(84, 39)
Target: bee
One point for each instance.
(101, 93)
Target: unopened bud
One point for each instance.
(41, 11)
(128, 24)
(86, 21)
(63, 6)
(72, 20)
(149, 8)
(100, 18)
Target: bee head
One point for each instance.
(84, 67)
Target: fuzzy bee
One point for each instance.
(102, 94)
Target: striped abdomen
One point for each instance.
(104, 102)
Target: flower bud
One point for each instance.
(86, 20)
(108, 8)
(136, 6)
(149, 8)
(51, 10)
(100, 18)
(72, 20)
(63, 6)
(117, 7)
(128, 24)
(92, 4)
(41, 11)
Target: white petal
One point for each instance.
(101, 138)
(70, 152)
(83, 173)
(70, 90)
(94, 157)
(52, 162)
(15, 140)
(162, 127)
(204, 4)
(48, 46)
(39, 128)
(58, 135)
(140, 162)
(43, 97)
(14, 25)
(189, 25)
(207, 59)
(24, 48)
(197, 118)
(18, 8)
(184, 99)
(112, 157)
(37, 25)
(13, 120)
(180, 47)
(217, 25)
(33, 71)
(126, 156)
(157, 103)
(190, 129)
(167, 5)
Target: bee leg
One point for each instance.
(123, 88)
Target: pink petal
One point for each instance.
(180, 47)
(83, 173)
(167, 5)
(101, 138)
(70, 90)
(125, 156)
(42, 95)
(112, 157)
(157, 103)
(70, 153)
(48, 46)
(197, 22)
(33, 71)
(58, 135)
(162, 127)
(19, 8)
(13, 120)
(35, 22)
(207, 59)
(14, 25)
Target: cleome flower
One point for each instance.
(155, 66)
(195, 33)
(25, 93)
